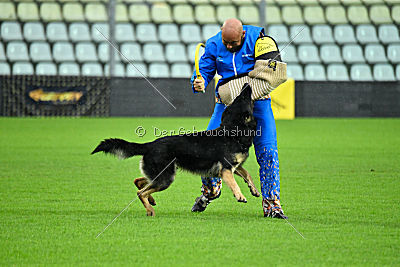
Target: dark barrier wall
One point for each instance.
(26, 95)
(347, 99)
(136, 97)
(21, 96)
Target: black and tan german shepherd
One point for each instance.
(214, 153)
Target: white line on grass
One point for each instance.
(116, 217)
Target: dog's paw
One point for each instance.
(241, 198)
(151, 213)
(254, 191)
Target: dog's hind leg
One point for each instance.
(248, 180)
(141, 183)
(143, 195)
(228, 178)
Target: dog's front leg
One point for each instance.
(228, 178)
(247, 178)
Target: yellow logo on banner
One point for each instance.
(283, 101)
(264, 45)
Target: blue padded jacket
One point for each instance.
(217, 58)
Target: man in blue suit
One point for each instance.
(231, 53)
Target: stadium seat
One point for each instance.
(28, 11)
(11, 31)
(292, 15)
(131, 52)
(33, 31)
(4, 68)
(63, 51)
(337, 72)
(330, 53)
(191, 33)
(168, 33)
(46, 68)
(279, 33)
(138, 70)
(383, 72)
(205, 14)
(375, 53)
(181, 70)
(7, 13)
(175, 53)
(98, 30)
(249, 14)
(308, 53)
(380, 14)
(398, 72)
(40, 51)
(139, 13)
(121, 13)
(124, 32)
(336, 14)
(314, 15)
(352, 54)
(295, 72)
(79, 32)
(161, 13)
(225, 12)
(2, 53)
(119, 70)
(69, 69)
(92, 69)
(73, 11)
(300, 34)
(314, 72)
(366, 34)
(85, 52)
(158, 70)
(358, 14)
(183, 14)
(146, 32)
(17, 51)
(344, 34)
(153, 52)
(288, 54)
(50, 12)
(22, 68)
(241, 2)
(96, 12)
(388, 34)
(104, 54)
(273, 15)
(361, 72)
(56, 31)
(393, 53)
(210, 30)
(322, 34)
(396, 14)
(191, 50)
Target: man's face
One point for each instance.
(233, 42)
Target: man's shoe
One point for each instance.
(273, 209)
(278, 214)
(200, 204)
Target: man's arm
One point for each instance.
(207, 66)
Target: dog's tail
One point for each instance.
(120, 148)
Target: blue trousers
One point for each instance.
(265, 147)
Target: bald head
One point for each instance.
(232, 34)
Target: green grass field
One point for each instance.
(339, 187)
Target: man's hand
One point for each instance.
(198, 85)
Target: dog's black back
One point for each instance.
(206, 153)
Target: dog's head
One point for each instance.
(240, 112)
